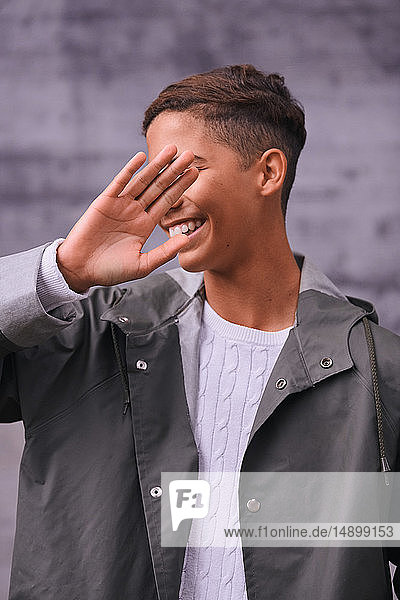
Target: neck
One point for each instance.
(261, 293)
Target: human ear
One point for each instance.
(273, 165)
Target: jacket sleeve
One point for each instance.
(393, 553)
(23, 321)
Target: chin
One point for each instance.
(191, 264)
(191, 268)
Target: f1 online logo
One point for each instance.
(189, 499)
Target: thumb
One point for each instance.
(159, 256)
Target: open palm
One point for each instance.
(104, 246)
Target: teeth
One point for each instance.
(185, 227)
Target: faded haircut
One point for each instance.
(245, 109)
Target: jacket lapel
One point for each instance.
(323, 321)
(320, 337)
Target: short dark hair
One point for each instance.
(245, 109)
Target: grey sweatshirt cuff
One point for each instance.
(51, 286)
(23, 320)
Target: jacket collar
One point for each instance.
(324, 319)
(172, 291)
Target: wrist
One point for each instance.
(76, 284)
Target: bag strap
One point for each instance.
(385, 467)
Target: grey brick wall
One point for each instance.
(76, 76)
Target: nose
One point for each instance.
(173, 206)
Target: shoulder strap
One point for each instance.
(378, 405)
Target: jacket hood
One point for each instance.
(176, 288)
(311, 279)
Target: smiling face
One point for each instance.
(228, 201)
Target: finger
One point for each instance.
(164, 202)
(165, 179)
(150, 172)
(124, 176)
(149, 261)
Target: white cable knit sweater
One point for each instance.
(235, 364)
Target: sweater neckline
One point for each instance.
(241, 333)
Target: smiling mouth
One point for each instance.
(188, 228)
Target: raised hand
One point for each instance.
(104, 246)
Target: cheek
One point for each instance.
(218, 197)
(213, 191)
(203, 192)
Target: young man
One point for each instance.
(245, 358)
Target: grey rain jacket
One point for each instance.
(100, 429)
